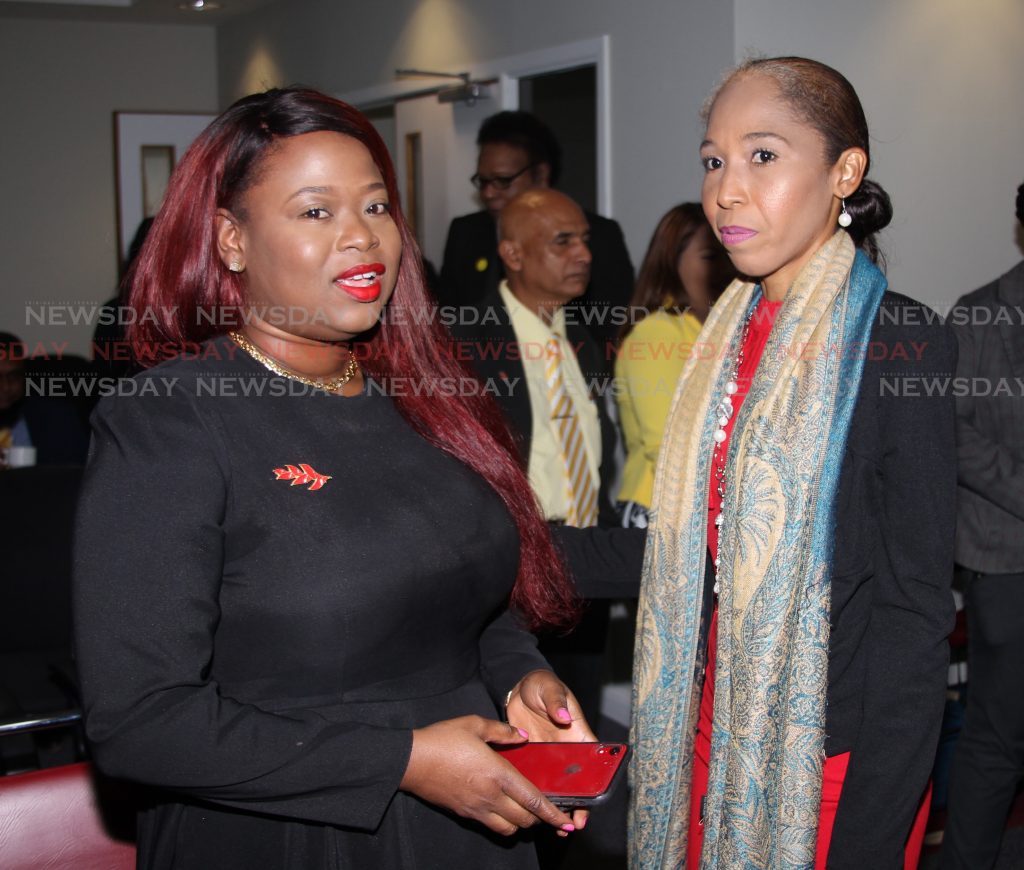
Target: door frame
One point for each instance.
(506, 72)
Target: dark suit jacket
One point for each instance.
(989, 326)
(493, 351)
(892, 609)
(473, 243)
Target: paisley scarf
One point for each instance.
(775, 551)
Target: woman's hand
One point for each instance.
(452, 766)
(542, 705)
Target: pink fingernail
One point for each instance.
(569, 828)
(564, 715)
(525, 734)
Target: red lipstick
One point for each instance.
(362, 282)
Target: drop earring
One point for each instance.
(844, 216)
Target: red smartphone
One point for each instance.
(571, 775)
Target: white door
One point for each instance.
(435, 154)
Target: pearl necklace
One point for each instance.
(723, 413)
(331, 386)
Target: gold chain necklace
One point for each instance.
(331, 386)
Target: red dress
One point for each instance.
(835, 765)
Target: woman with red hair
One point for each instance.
(312, 610)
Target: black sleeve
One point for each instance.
(911, 609)
(149, 549)
(603, 562)
(507, 654)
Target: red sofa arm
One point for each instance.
(51, 820)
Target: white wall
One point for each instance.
(940, 81)
(941, 84)
(57, 210)
(665, 56)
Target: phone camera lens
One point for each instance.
(615, 750)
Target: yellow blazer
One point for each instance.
(646, 370)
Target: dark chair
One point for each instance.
(37, 506)
(75, 376)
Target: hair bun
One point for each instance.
(870, 208)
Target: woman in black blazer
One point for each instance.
(789, 685)
(811, 459)
(891, 609)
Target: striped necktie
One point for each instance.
(578, 480)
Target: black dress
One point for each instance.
(259, 646)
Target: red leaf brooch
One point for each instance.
(302, 474)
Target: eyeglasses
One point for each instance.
(502, 182)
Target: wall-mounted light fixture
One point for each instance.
(199, 6)
(468, 92)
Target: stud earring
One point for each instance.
(235, 266)
(844, 216)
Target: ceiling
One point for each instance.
(127, 11)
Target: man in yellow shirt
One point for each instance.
(523, 334)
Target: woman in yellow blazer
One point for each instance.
(683, 273)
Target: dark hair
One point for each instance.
(179, 269)
(1020, 204)
(528, 132)
(10, 343)
(824, 98)
(658, 284)
(139, 239)
(134, 247)
(12, 348)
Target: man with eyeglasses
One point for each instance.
(517, 153)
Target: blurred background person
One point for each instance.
(683, 272)
(988, 762)
(49, 425)
(518, 152)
